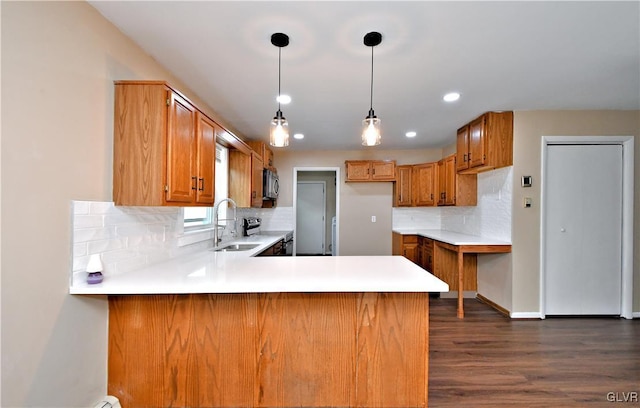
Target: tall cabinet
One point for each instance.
(164, 147)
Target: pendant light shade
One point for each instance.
(371, 135)
(279, 133)
(279, 130)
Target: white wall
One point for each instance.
(59, 61)
(358, 201)
(529, 128)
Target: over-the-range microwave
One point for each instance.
(270, 186)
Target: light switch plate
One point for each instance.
(527, 202)
(526, 181)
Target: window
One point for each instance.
(203, 216)
(197, 216)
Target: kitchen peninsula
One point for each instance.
(222, 329)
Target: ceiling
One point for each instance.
(497, 55)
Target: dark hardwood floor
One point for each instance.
(489, 360)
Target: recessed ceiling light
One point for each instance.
(298, 136)
(283, 99)
(410, 134)
(451, 97)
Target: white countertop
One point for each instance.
(450, 237)
(239, 272)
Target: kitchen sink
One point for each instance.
(236, 247)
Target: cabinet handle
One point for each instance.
(374, 172)
(464, 158)
(194, 186)
(469, 156)
(253, 194)
(431, 196)
(201, 184)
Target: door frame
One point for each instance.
(324, 210)
(626, 298)
(295, 201)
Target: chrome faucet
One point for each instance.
(216, 220)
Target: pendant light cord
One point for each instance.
(279, 56)
(371, 102)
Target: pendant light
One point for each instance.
(279, 132)
(371, 124)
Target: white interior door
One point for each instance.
(310, 218)
(583, 230)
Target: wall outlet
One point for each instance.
(373, 218)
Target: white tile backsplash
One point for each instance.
(416, 217)
(126, 237)
(130, 238)
(490, 218)
(273, 219)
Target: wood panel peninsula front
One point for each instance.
(453, 256)
(232, 330)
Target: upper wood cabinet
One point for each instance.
(424, 184)
(265, 152)
(455, 189)
(245, 178)
(485, 143)
(370, 170)
(206, 131)
(403, 187)
(164, 148)
(415, 185)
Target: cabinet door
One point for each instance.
(358, 170)
(427, 254)
(441, 182)
(462, 149)
(477, 143)
(424, 185)
(181, 142)
(403, 187)
(240, 178)
(383, 170)
(206, 158)
(450, 180)
(256, 180)
(410, 251)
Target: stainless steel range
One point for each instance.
(251, 226)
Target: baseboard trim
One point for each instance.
(526, 315)
(494, 305)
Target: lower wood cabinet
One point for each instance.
(425, 253)
(405, 245)
(269, 350)
(273, 250)
(438, 258)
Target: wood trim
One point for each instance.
(494, 305)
